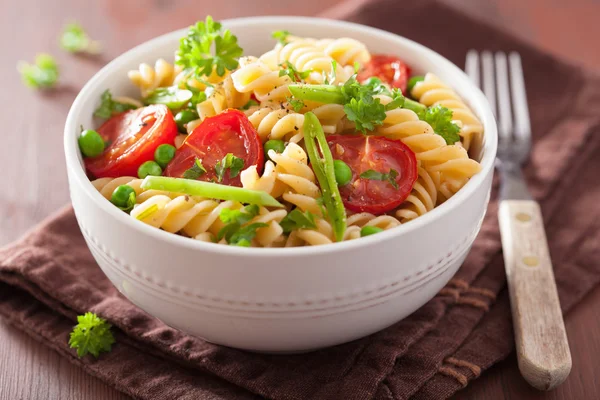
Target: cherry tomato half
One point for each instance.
(390, 69)
(363, 153)
(132, 138)
(213, 139)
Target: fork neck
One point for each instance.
(512, 182)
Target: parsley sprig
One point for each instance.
(235, 232)
(381, 176)
(231, 162)
(208, 47)
(108, 106)
(42, 74)
(440, 119)
(91, 335)
(297, 219)
(281, 36)
(288, 69)
(74, 39)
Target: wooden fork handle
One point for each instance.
(542, 347)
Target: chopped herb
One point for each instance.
(43, 74)
(196, 171)
(231, 162)
(91, 335)
(198, 96)
(75, 40)
(296, 104)
(196, 50)
(250, 103)
(291, 71)
(440, 119)
(281, 36)
(356, 66)
(380, 176)
(108, 106)
(296, 219)
(234, 232)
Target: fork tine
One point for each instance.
(488, 79)
(502, 86)
(523, 129)
(472, 66)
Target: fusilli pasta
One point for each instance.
(432, 91)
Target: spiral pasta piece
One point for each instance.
(422, 199)
(304, 55)
(345, 51)
(148, 78)
(222, 96)
(278, 123)
(432, 91)
(256, 77)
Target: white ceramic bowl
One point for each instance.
(280, 300)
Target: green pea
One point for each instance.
(276, 145)
(163, 154)
(183, 117)
(343, 173)
(149, 168)
(91, 143)
(369, 230)
(123, 197)
(413, 81)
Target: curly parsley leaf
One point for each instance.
(231, 162)
(234, 232)
(108, 106)
(91, 335)
(74, 39)
(365, 112)
(196, 49)
(196, 171)
(380, 176)
(440, 119)
(281, 36)
(291, 71)
(43, 74)
(296, 219)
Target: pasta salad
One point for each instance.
(312, 142)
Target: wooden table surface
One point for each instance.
(34, 180)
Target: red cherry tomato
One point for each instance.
(228, 132)
(363, 153)
(133, 136)
(390, 69)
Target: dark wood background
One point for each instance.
(34, 180)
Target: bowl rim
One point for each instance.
(79, 176)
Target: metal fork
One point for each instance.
(542, 347)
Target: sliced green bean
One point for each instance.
(316, 145)
(210, 190)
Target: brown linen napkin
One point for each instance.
(49, 277)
